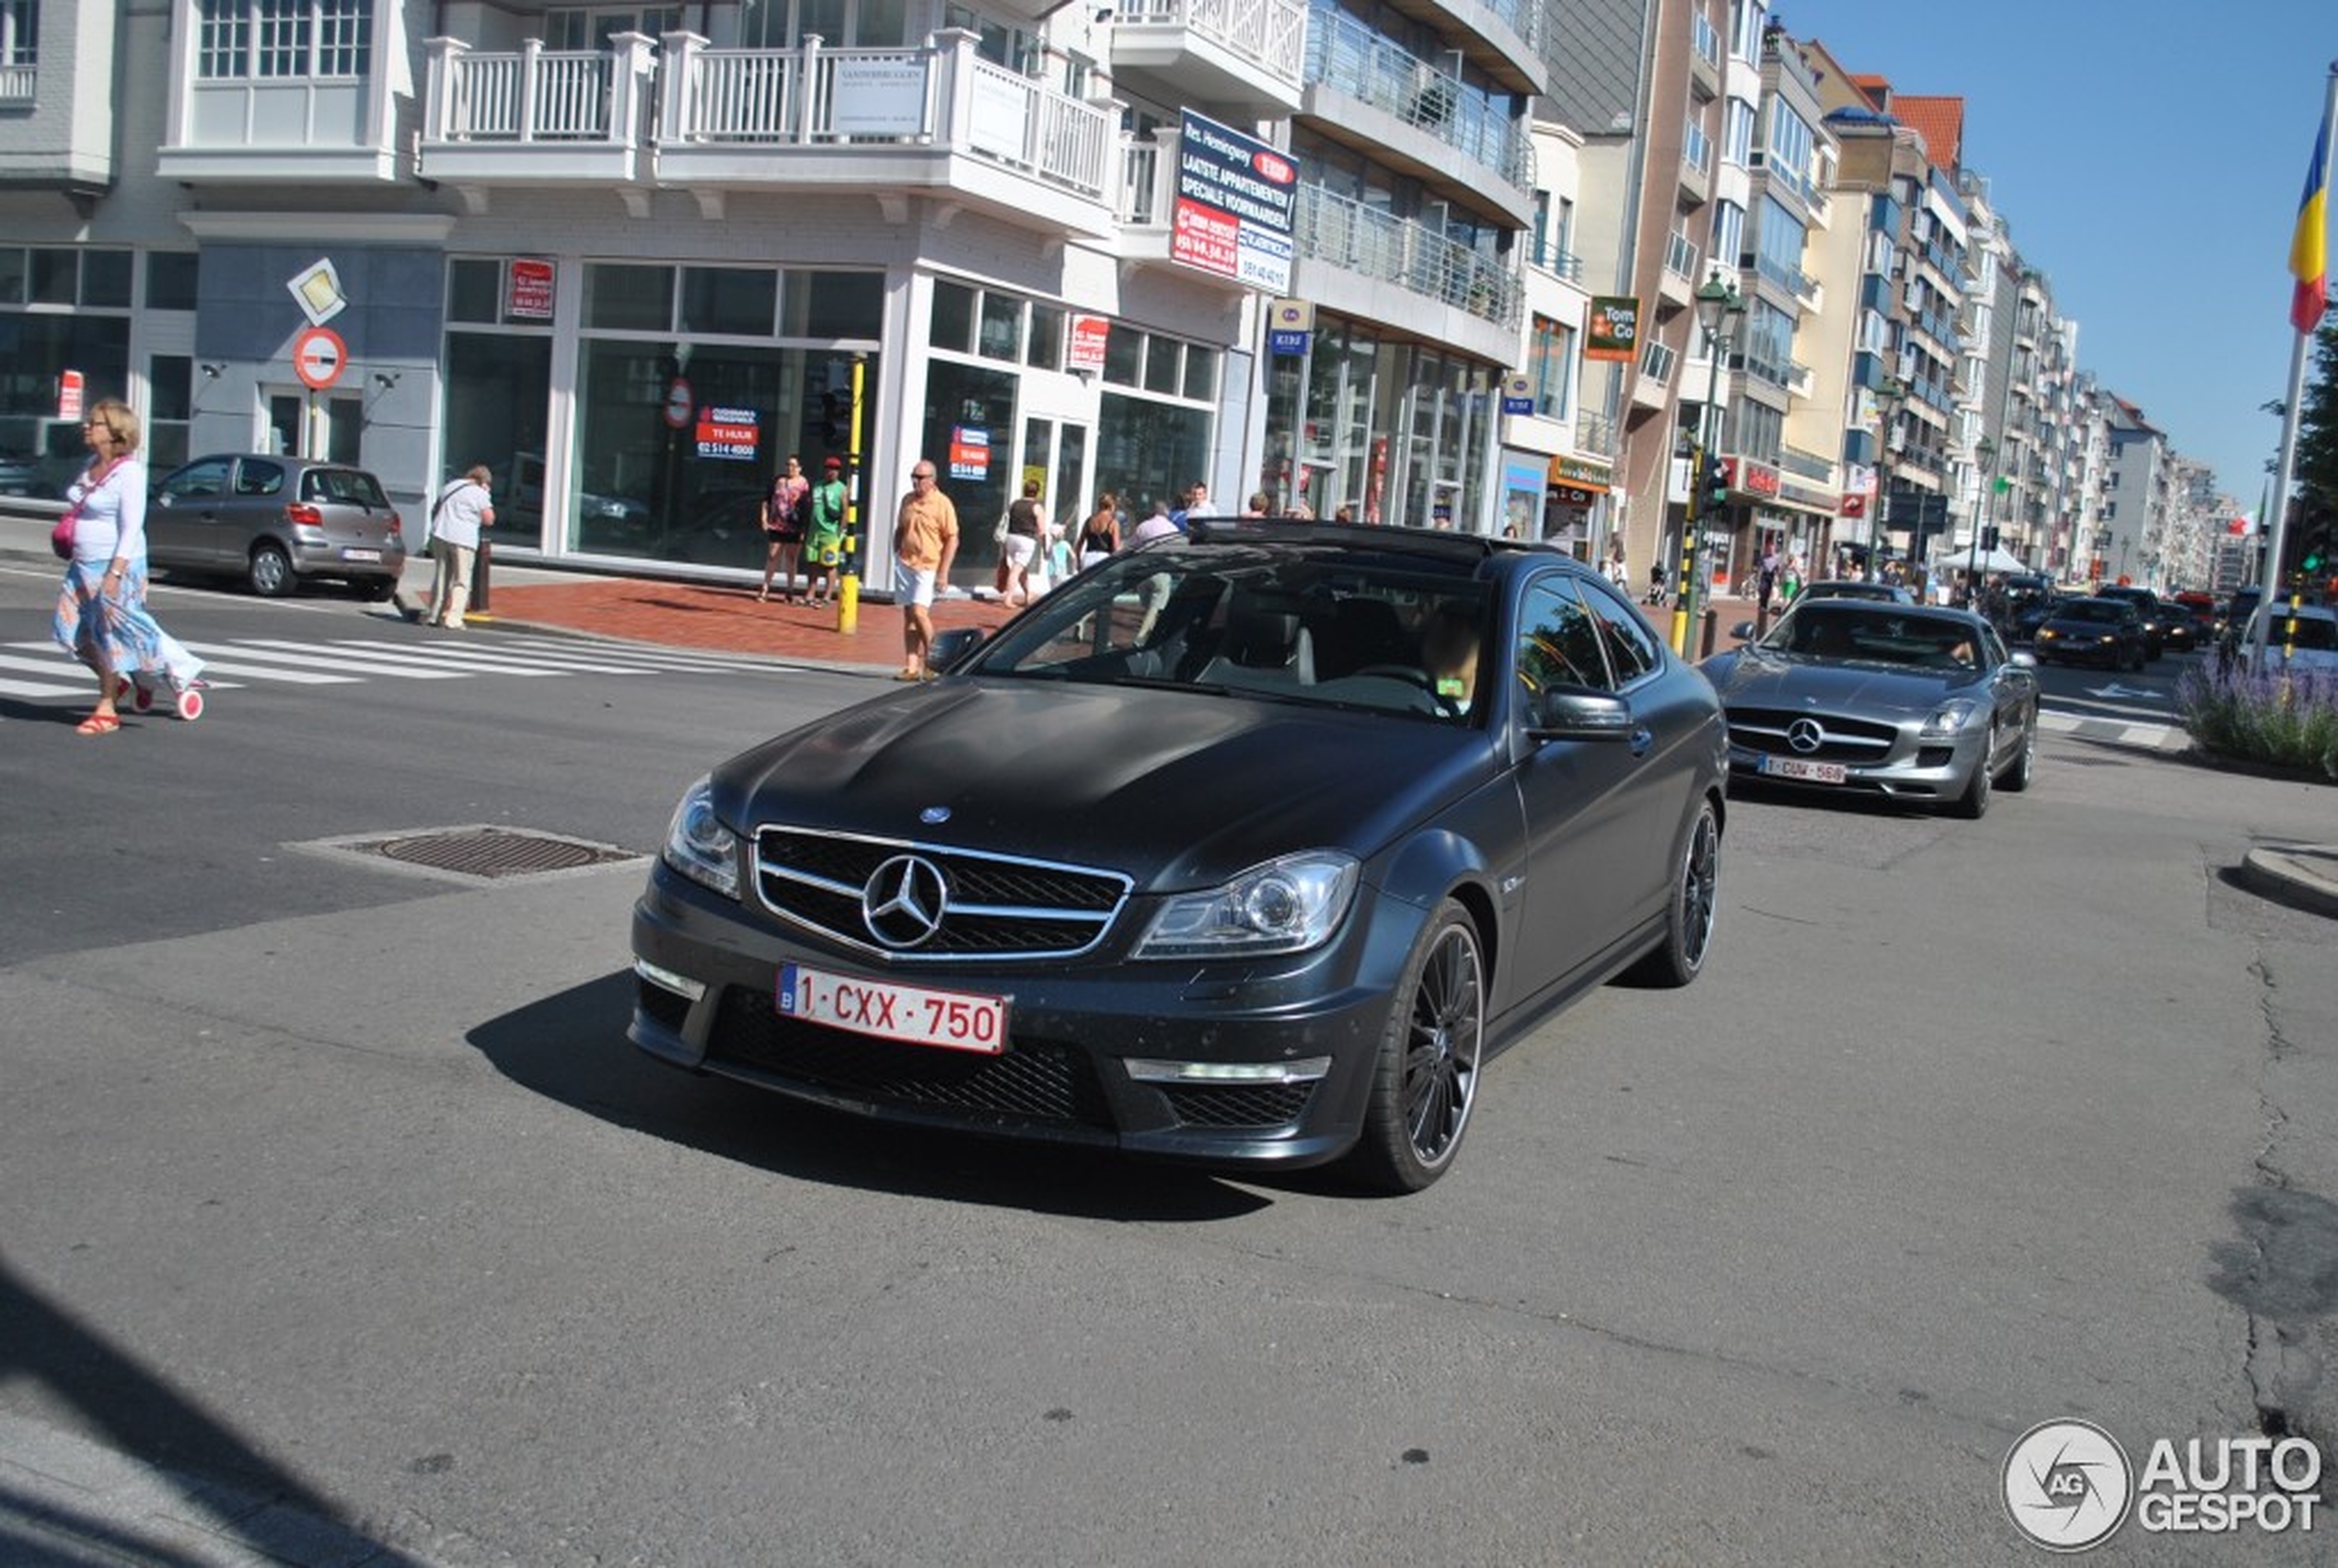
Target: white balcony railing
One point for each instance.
(1270, 34)
(16, 84)
(1344, 54)
(533, 94)
(1358, 238)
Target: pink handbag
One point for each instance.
(61, 537)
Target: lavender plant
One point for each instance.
(2279, 718)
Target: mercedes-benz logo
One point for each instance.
(1805, 735)
(904, 901)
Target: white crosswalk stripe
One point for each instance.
(40, 671)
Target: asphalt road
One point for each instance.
(336, 1184)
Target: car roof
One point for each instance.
(1450, 549)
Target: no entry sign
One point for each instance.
(318, 355)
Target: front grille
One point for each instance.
(1855, 741)
(663, 1006)
(1238, 1105)
(1034, 1080)
(994, 905)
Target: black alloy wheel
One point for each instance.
(1425, 1080)
(1694, 907)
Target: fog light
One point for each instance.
(680, 984)
(1307, 1069)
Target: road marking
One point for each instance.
(2156, 737)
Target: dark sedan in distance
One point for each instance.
(1248, 846)
(1848, 696)
(2092, 631)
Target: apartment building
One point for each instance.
(632, 257)
(2131, 529)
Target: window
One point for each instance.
(1728, 233)
(1737, 133)
(272, 39)
(593, 28)
(1559, 644)
(1788, 154)
(19, 32)
(1550, 366)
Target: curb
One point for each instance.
(2304, 876)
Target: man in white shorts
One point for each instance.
(925, 541)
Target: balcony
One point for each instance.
(1595, 435)
(305, 127)
(1370, 93)
(888, 123)
(1364, 261)
(1705, 57)
(1245, 56)
(1697, 165)
(1651, 387)
(1502, 37)
(1676, 283)
(18, 85)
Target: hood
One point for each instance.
(1755, 677)
(1175, 789)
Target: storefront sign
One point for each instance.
(969, 453)
(1581, 473)
(1614, 330)
(1235, 200)
(1757, 478)
(1854, 506)
(1089, 336)
(1518, 395)
(527, 289)
(69, 395)
(1572, 495)
(1807, 498)
(1289, 324)
(879, 96)
(731, 436)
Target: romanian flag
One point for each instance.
(2308, 248)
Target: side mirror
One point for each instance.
(951, 648)
(2021, 661)
(1578, 713)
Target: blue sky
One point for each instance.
(2148, 159)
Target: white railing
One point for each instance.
(1270, 34)
(17, 83)
(1358, 238)
(538, 94)
(1348, 55)
(941, 94)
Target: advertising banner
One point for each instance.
(1089, 334)
(969, 452)
(1614, 333)
(1235, 197)
(732, 435)
(882, 97)
(527, 289)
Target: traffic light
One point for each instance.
(831, 419)
(1714, 493)
(1989, 536)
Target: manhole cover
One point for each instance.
(492, 854)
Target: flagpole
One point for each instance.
(2278, 540)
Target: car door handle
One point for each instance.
(1642, 738)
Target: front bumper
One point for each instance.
(1073, 1028)
(1915, 769)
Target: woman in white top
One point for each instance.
(463, 508)
(101, 616)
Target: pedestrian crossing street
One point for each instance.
(42, 672)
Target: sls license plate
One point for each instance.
(919, 1015)
(1808, 772)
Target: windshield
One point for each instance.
(1292, 622)
(2109, 610)
(2305, 631)
(1876, 634)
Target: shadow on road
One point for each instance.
(571, 1047)
(263, 1506)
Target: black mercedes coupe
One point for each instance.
(1248, 846)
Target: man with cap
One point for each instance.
(823, 537)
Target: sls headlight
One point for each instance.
(1285, 905)
(1950, 716)
(699, 845)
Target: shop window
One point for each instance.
(1162, 360)
(169, 403)
(834, 304)
(1044, 349)
(1201, 373)
(1123, 357)
(474, 291)
(733, 301)
(56, 276)
(953, 325)
(1002, 335)
(637, 299)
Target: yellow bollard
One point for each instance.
(848, 605)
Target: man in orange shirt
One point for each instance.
(925, 541)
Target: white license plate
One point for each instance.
(1808, 772)
(919, 1015)
(360, 554)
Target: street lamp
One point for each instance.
(1889, 394)
(1719, 309)
(1986, 451)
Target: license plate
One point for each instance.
(360, 554)
(918, 1015)
(1808, 772)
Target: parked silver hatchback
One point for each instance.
(277, 522)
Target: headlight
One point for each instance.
(1286, 906)
(699, 845)
(1948, 718)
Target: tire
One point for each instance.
(271, 570)
(2024, 767)
(377, 590)
(1425, 1079)
(1692, 909)
(1973, 804)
